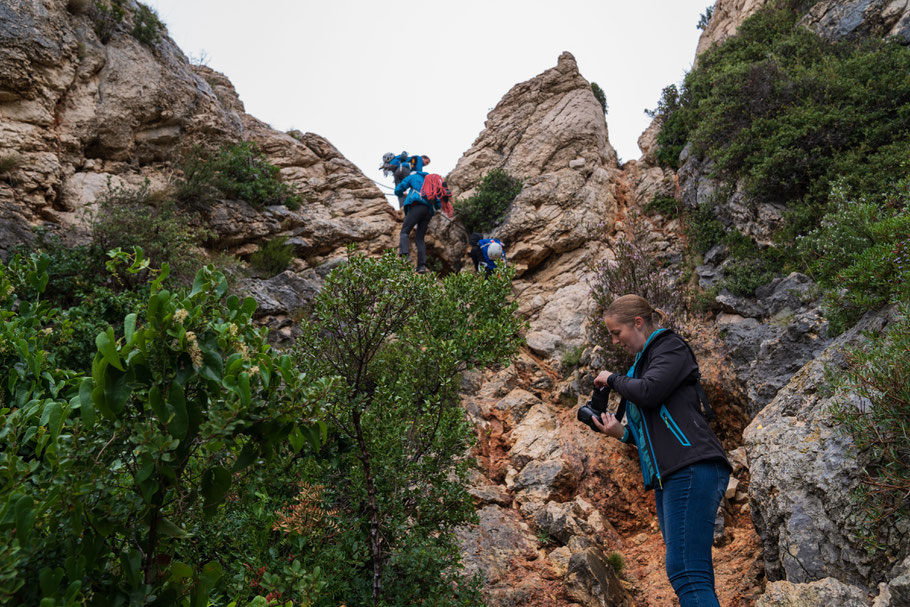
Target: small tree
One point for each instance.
(490, 202)
(396, 341)
(600, 96)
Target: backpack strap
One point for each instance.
(694, 379)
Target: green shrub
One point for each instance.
(617, 562)
(395, 469)
(879, 374)
(490, 202)
(9, 163)
(600, 96)
(273, 257)
(572, 356)
(236, 171)
(106, 477)
(147, 27)
(106, 16)
(705, 18)
(129, 217)
(664, 205)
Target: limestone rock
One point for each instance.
(851, 19)
(801, 474)
(535, 438)
(822, 593)
(534, 133)
(727, 17)
(490, 545)
(593, 583)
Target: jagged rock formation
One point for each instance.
(802, 473)
(839, 19)
(79, 113)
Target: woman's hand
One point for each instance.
(609, 426)
(601, 380)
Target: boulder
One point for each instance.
(821, 593)
(592, 582)
(802, 471)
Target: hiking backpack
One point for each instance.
(434, 188)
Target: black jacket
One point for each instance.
(664, 390)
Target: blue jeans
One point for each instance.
(686, 507)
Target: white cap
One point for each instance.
(494, 251)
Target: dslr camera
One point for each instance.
(595, 406)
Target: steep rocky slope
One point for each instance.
(554, 500)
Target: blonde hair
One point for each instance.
(627, 308)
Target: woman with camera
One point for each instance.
(680, 456)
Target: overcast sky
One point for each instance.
(375, 77)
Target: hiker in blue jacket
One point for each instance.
(401, 166)
(418, 211)
(485, 252)
(680, 456)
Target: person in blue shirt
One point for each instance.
(485, 252)
(417, 213)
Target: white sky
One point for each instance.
(375, 77)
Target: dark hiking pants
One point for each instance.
(417, 215)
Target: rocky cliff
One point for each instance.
(79, 114)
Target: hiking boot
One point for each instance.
(422, 270)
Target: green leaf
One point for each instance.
(116, 391)
(199, 282)
(86, 404)
(168, 529)
(108, 347)
(212, 367)
(216, 482)
(232, 303)
(180, 571)
(297, 439)
(157, 404)
(180, 422)
(246, 457)
(249, 306)
(129, 327)
(246, 396)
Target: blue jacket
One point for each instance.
(484, 245)
(398, 160)
(414, 181)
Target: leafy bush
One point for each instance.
(105, 477)
(878, 373)
(674, 131)
(137, 217)
(273, 257)
(489, 204)
(633, 271)
(665, 205)
(600, 96)
(789, 113)
(394, 471)
(860, 254)
(106, 16)
(147, 27)
(238, 171)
